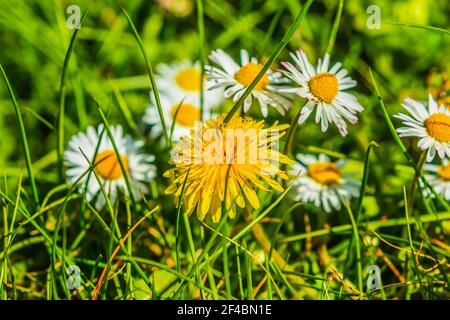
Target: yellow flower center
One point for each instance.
(248, 73)
(324, 87)
(189, 79)
(108, 166)
(324, 172)
(187, 114)
(444, 172)
(438, 126)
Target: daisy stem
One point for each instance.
(23, 136)
(364, 180)
(62, 102)
(291, 132)
(362, 192)
(357, 249)
(226, 271)
(334, 30)
(201, 44)
(152, 78)
(192, 250)
(415, 182)
(271, 59)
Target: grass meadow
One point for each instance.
(95, 97)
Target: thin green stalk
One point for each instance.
(23, 136)
(359, 206)
(248, 277)
(201, 48)
(239, 274)
(291, 132)
(62, 99)
(364, 180)
(358, 250)
(408, 228)
(271, 59)
(192, 248)
(334, 30)
(177, 227)
(226, 269)
(152, 78)
(420, 26)
(129, 279)
(369, 225)
(118, 155)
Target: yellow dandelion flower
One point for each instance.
(226, 162)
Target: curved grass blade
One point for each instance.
(334, 30)
(364, 180)
(201, 48)
(116, 151)
(151, 76)
(62, 103)
(23, 136)
(420, 26)
(357, 249)
(271, 59)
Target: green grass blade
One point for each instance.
(201, 51)
(118, 155)
(334, 30)
(62, 103)
(152, 78)
(23, 136)
(420, 26)
(365, 177)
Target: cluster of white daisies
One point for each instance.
(321, 181)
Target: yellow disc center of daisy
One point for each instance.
(248, 73)
(324, 172)
(438, 126)
(324, 86)
(189, 79)
(187, 114)
(444, 172)
(108, 166)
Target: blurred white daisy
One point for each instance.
(187, 112)
(138, 165)
(235, 78)
(322, 182)
(431, 126)
(182, 80)
(324, 88)
(438, 176)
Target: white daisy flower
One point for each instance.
(324, 88)
(235, 78)
(182, 80)
(107, 166)
(187, 112)
(431, 126)
(438, 176)
(322, 182)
